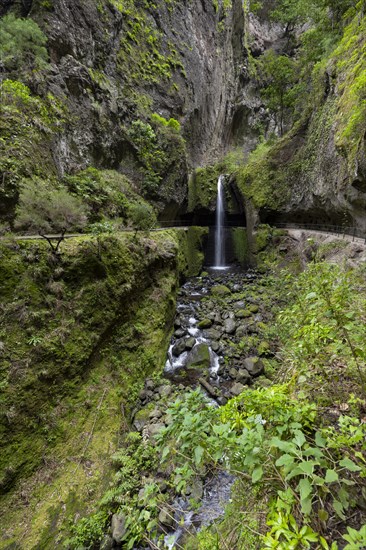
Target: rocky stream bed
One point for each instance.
(217, 345)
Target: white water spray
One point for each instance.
(219, 229)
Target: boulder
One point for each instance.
(233, 373)
(229, 326)
(118, 527)
(242, 313)
(254, 366)
(190, 342)
(221, 290)
(199, 357)
(215, 346)
(237, 389)
(165, 391)
(166, 517)
(179, 333)
(179, 347)
(142, 417)
(153, 429)
(253, 308)
(212, 334)
(243, 376)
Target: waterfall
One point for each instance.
(219, 229)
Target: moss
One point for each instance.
(220, 290)
(240, 243)
(99, 319)
(191, 257)
(202, 188)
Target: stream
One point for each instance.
(213, 315)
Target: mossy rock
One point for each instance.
(243, 313)
(199, 357)
(205, 323)
(264, 348)
(221, 290)
(253, 308)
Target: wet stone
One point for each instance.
(212, 334)
(179, 333)
(254, 366)
(179, 347)
(118, 527)
(229, 326)
(237, 389)
(199, 357)
(205, 323)
(189, 343)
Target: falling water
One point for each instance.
(219, 229)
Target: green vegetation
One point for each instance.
(22, 44)
(161, 151)
(42, 210)
(70, 361)
(26, 123)
(202, 188)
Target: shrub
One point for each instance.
(42, 210)
(22, 44)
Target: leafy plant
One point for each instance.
(22, 44)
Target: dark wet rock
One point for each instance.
(237, 389)
(222, 400)
(237, 288)
(215, 346)
(239, 305)
(221, 370)
(179, 333)
(233, 373)
(199, 357)
(243, 376)
(212, 334)
(254, 366)
(205, 323)
(166, 517)
(195, 490)
(179, 347)
(118, 527)
(229, 326)
(190, 342)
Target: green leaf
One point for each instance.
(307, 467)
(338, 509)
(319, 440)
(257, 474)
(305, 488)
(165, 453)
(306, 506)
(198, 453)
(331, 476)
(350, 465)
(299, 438)
(285, 460)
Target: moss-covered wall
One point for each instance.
(240, 245)
(80, 333)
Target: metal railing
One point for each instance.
(350, 231)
